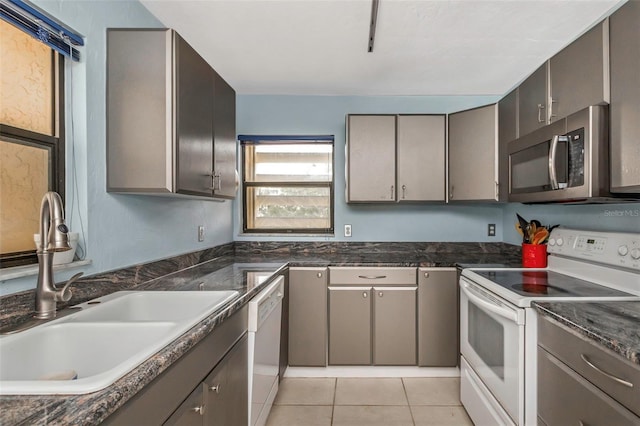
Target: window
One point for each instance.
(288, 184)
(31, 139)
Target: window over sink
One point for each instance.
(287, 184)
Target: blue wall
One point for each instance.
(326, 115)
(119, 230)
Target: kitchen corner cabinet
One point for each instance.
(624, 38)
(308, 317)
(372, 316)
(395, 158)
(438, 317)
(170, 118)
(473, 154)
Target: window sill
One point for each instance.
(29, 270)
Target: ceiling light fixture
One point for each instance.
(372, 23)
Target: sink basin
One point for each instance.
(100, 344)
(153, 306)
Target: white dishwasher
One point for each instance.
(265, 312)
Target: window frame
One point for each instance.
(55, 144)
(270, 140)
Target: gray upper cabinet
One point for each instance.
(532, 101)
(473, 154)
(170, 118)
(421, 158)
(371, 158)
(625, 98)
(579, 73)
(395, 158)
(507, 132)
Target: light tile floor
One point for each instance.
(370, 401)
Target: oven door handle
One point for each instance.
(489, 306)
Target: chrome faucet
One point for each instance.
(53, 238)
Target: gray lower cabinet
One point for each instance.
(394, 325)
(473, 154)
(372, 316)
(170, 118)
(349, 325)
(624, 38)
(438, 317)
(308, 317)
(582, 383)
(183, 394)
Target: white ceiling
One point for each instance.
(423, 47)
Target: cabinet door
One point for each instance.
(139, 139)
(226, 389)
(421, 158)
(191, 411)
(532, 101)
(566, 398)
(579, 73)
(394, 326)
(507, 132)
(371, 158)
(438, 324)
(308, 317)
(625, 98)
(473, 154)
(194, 126)
(224, 144)
(349, 325)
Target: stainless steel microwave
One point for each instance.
(566, 161)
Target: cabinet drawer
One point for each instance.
(578, 353)
(343, 275)
(565, 398)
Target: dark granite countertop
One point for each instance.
(246, 271)
(614, 325)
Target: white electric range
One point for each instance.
(498, 325)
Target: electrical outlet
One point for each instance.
(491, 231)
(347, 230)
(200, 233)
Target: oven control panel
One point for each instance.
(610, 248)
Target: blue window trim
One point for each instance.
(41, 26)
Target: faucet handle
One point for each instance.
(64, 295)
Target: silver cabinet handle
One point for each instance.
(199, 409)
(392, 197)
(319, 275)
(216, 181)
(404, 188)
(365, 294)
(215, 388)
(380, 294)
(426, 275)
(551, 114)
(451, 192)
(372, 277)
(497, 191)
(540, 118)
(599, 370)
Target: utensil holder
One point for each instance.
(534, 255)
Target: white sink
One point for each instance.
(102, 343)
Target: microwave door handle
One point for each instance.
(479, 300)
(553, 176)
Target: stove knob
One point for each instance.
(552, 242)
(635, 253)
(623, 250)
(560, 241)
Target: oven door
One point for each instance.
(492, 343)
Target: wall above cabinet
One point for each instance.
(170, 118)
